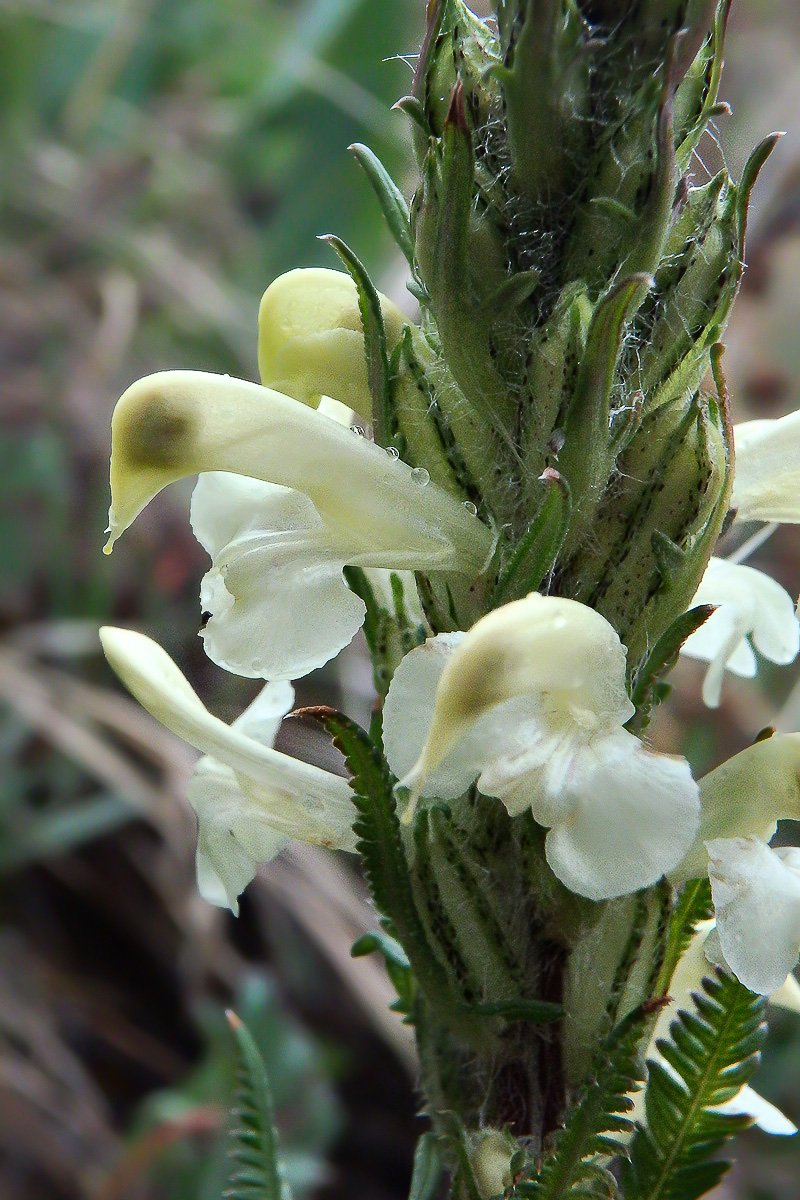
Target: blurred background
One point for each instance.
(162, 161)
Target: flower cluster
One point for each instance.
(531, 703)
(518, 498)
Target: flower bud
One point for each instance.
(490, 1158)
(311, 338)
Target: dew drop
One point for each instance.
(471, 508)
(392, 451)
(256, 665)
(359, 430)
(420, 476)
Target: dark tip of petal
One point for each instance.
(160, 436)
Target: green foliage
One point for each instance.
(306, 1110)
(575, 1164)
(369, 306)
(427, 1174)
(391, 199)
(381, 849)
(693, 906)
(398, 968)
(648, 690)
(256, 1173)
(711, 1053)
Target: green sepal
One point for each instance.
(696, 290)
(670, 559)
(526, 1012)
(255, 1172)
(634, 168)
(460, 268)
(378, 373)
(750, 174)
(426, 1175)
(398, 968)
(587, 457)
(391, 199)
(535, 554)
(376, 941)
(673, 479)
(661, 659)
(511, 294)
(625, 421)
(458, 48)
(696, 96)
(415, 111)
(546, 88)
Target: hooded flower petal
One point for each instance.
(243, 789)
(542, 646)
(355, 504)
(531, 702)
(311, 339)
(766, 485)
(756, 893)
(276, 602)
(180, 423)
(749, 605)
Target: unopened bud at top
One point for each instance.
(311, 339)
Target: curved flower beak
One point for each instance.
(532, 703)
(287, 499)
(766, 485)
(749, 605)
(250, 799)
(179, 423)
(311, 339)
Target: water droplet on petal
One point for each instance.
(359, 430)
(471, 508)
(392, 451)
(256, 665)
(420, 476)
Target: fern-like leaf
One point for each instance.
(693, 907)
(255, 1173)
(712, 1051)
(576, 1163)
(380, 845)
